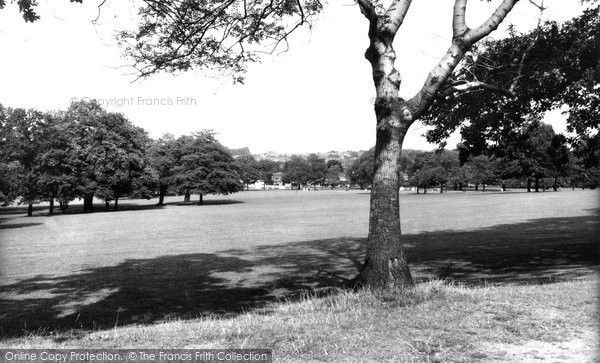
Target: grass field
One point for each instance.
(205, 272)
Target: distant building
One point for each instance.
(277, 178)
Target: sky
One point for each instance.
(314, 98)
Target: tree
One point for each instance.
(559, 159)
(551, 67)
(333, 175)
(483, 171)
(297, 170)
(361, 170)
(334, 162)
(56, 163)
(204, 166)
(432, 168)
(109, 153)
(318, 169)
(24, 143)
(179, 35)
(162, 155)
(266, 169)
(8, 168)
(247, 168)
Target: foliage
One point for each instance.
(222, 35)
(297, 170)
(109, 152)
(247, 168)
(553, 66)
(162, 160)
(266, 169)
(204, 166)
(361, 170)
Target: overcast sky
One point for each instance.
(316, 97)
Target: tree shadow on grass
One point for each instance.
(207, 202)
(42, 211)
(145, 291)
(124, 206)
(16, 225)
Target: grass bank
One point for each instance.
(437, 321)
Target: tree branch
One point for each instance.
(419, 104)
(492, 22)
(459, 25)
(464, 86)
(515, 81)
(394, 16)
(367, 9)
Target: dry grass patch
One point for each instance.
(436, 321)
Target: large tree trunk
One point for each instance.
(537, 184)
(88, 203)
(51, 208)
(201, 199)
(106, 205)
(528, 185)
(116, 207)
(161, 195)
(30, 209)
(186, 198)
(441, 188)
(385, 263)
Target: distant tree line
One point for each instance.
(86, 152)
(298, 170)
(533, 157)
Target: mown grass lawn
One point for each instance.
(216, 276)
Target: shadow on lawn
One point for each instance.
(16, 225)
(124, 206)
(227, 283)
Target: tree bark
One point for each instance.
(186, 198)
(537, 184)
(30, 210)
(528, 185)
(385, 264)
(161, 195)
(106, 205)
(441, 188)
(116, 207)
(483, 187)
(476, 187)
(88, 203)
(51, 208)
(200, 200)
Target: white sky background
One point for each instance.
(315, 97)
